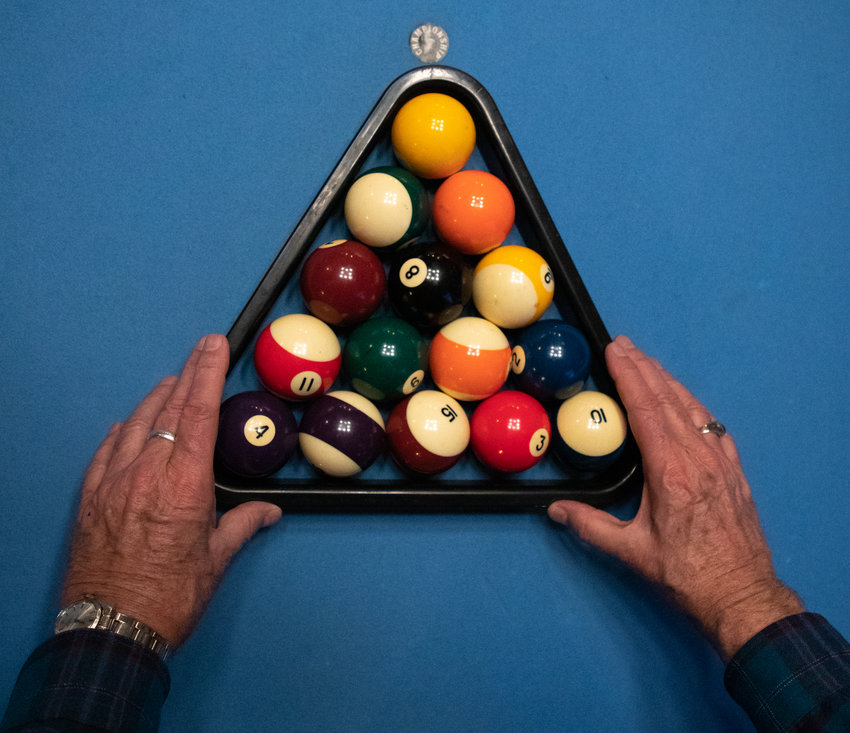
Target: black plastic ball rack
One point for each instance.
(464, 490)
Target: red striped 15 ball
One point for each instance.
(512, 286)
(510, 431)
(428, 432)
(297, 357)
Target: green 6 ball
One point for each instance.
(385, 358)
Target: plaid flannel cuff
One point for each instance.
(89, 678)
(793, 676)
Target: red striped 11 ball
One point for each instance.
(297, 356)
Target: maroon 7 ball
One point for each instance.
(343, 282)
(257, 434)
(511, 431)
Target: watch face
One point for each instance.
(79, 615)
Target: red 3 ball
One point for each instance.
(511, 431)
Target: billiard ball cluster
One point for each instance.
(396, 304)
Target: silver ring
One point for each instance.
(162, 434)
(719, 429)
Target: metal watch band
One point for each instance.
(130, 628)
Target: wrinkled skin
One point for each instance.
(697, 533)
(146, 539)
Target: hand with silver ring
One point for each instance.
(696, 534)
(718, 429)
(146, 539)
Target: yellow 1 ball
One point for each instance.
(433, 135)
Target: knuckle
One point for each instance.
(199, 409)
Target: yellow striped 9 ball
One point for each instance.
(512, 286)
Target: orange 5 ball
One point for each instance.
(473, 211)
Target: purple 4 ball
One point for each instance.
(257, 434)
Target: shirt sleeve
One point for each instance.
(88, 680)
(793, 676)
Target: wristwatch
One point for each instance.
(90, 613)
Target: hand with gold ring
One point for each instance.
(697, 533)
(146, 539)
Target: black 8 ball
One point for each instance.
(429, 284)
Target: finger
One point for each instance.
(237, 526)
(100, 461)
(198, 424)
(168, 417)
(595, 526)
(657, 412)
(648, 423)
(135, 430)
(698, 412)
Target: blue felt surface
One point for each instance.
(696, 159)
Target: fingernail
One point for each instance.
(272, 516)
(558, 513)
(616, 347)
(211, 342)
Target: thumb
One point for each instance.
(238, 525)
(595, 526)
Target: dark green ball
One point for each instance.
(385, 358)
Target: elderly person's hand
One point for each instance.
(697, 533)
(146, 539)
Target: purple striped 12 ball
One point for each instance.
(341, 433)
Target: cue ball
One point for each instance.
(470, 358)
(385, 358)
(590, 431)
(433, 135)
(342, 282)
(510, 431)
(257, 434)
(297, 357)
(341, 433)
(386, 206)
(473, 211)
(512, 286)
(427, 432)
(429, 284)
(550, 360)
